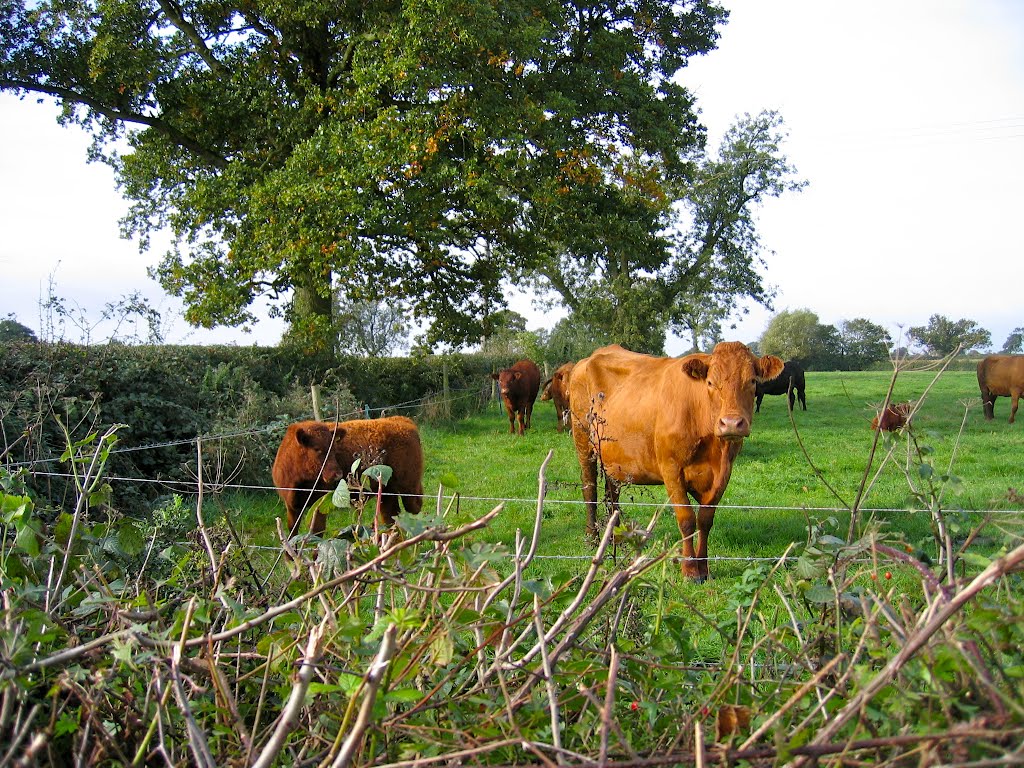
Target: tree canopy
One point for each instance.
(1014, 343)
(799, 335)
(686, 265)
(398, 151)
(13, 331)
(942, 336)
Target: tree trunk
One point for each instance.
(312, 319)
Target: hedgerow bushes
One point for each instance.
(425, 646)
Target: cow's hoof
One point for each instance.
(693, 571)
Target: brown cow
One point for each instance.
(518, 385)
(1002, 376)
(315, 456)
(894, 417)
(677, 422)
(557, 389)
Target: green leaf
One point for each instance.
(403, 696)
(130, 538)
(27, 540)
(317, 689)
(381, 473)
(101, 495)
(12, 506)
(538, 588)
(833, 542)
(442, 648)
(66, 724)
(341, 497)
(413, 525)
(820, 593)
(977, 559)
(450, 481)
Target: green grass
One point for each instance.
(773, 493)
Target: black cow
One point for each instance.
(790, 381)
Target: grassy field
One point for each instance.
(774, 492)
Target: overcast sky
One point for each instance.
(906, 117)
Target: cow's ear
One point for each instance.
(494, 376)
(768, 367)
(305, 437)
(517, 375)
(696, 366)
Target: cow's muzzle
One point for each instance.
(733, 427)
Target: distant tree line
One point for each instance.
(859, 343)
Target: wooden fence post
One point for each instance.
(315, 391)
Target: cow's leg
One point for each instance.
(588, 475)
(705, 519)
(760, 397)
(529, 414)
(413, 502)
(522, 427)
(803, 399)
(511, 418)
(298, 506)
(1013, 405)
(611, 493)
(791, 393)
(988, 402)
(294, 516)
(388, 507)
(318, 524)
(687, 522)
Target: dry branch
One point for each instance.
(915, 641)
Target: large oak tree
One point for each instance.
(417, 150)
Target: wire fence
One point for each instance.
(192, 487)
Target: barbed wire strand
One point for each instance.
(214, 487)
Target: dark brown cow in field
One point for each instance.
(557, 389)
(894, 417)
(315, 456)
(1001, 376)
(677, 422)
(789, 382)
(518, 386)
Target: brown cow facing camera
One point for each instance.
(556, 389)
(518, 385)
(677, 422)
(315, 456)
(1001, 376)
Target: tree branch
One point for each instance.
(117, 115)
(173, 13)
